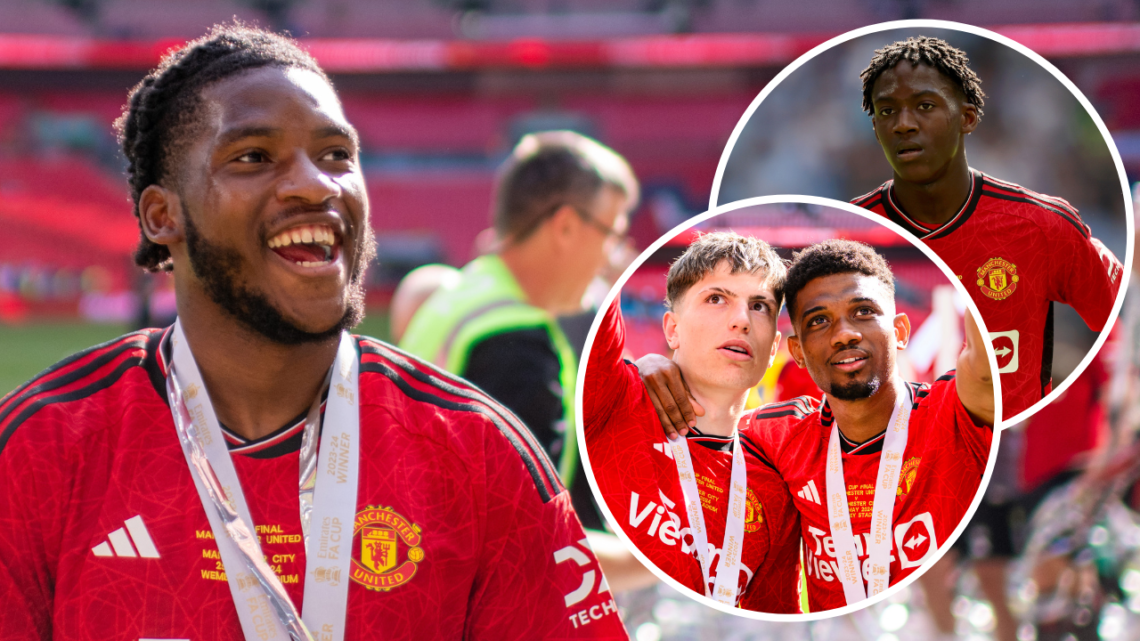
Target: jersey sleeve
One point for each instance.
(540, 580)
(32, 516)
(608, 378)
(769, 428)
(946, 410)
(1088, 278)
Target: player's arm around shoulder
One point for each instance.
(538, 577)
(974, 381)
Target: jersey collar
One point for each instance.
(925, 232)
(284, 440)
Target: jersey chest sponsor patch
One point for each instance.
(386, 549)
(1005, 348)
(998, 278)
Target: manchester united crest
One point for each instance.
(389, 549)
(998, 278)
(753, 513)
(907, 475)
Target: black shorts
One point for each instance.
(997, 530)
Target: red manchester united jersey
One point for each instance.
(633, 465)
(943, 463)
(1017, 251)
(103, 536)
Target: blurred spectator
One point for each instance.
(562, 206)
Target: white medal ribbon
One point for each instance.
(882, 509)
(263, 606)
(727, 584)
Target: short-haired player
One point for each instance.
(706, 510)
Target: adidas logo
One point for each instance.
(664, 449)
(121, 541)
(809, 493)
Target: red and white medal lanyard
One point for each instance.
(726, 586)
(878, 563)
(326, 495)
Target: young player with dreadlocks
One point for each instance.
(1004, 241)
(254, 471)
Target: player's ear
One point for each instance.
(775, 348)
(902, 331)
(669, 326)
(160, 215)
(797, 351)
(970, 117)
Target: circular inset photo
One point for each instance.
(981, 149)
(787, 408)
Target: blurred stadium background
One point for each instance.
(440, 91)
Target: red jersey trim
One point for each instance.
(896, 214)
(751, 448)
(711, 441)
(274, 444)
(1018, 194)
(871, 199)
(76, 377)
(1052, 200)
(873, 445)
(443, 390)
(798, 407)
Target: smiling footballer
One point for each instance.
(254, 471)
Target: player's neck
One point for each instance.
(865, 418)
(939, 200)
(255, 385)
(540, 275)
(723, 409)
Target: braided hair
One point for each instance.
(949, 61)
(163, 109)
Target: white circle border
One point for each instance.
(1129, 214)
(580, 385)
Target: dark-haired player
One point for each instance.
(1015, 250)
(707, 503)
(255, 472)
(883, 470)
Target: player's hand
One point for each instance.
(676, 408)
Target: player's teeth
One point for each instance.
(313, 234)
